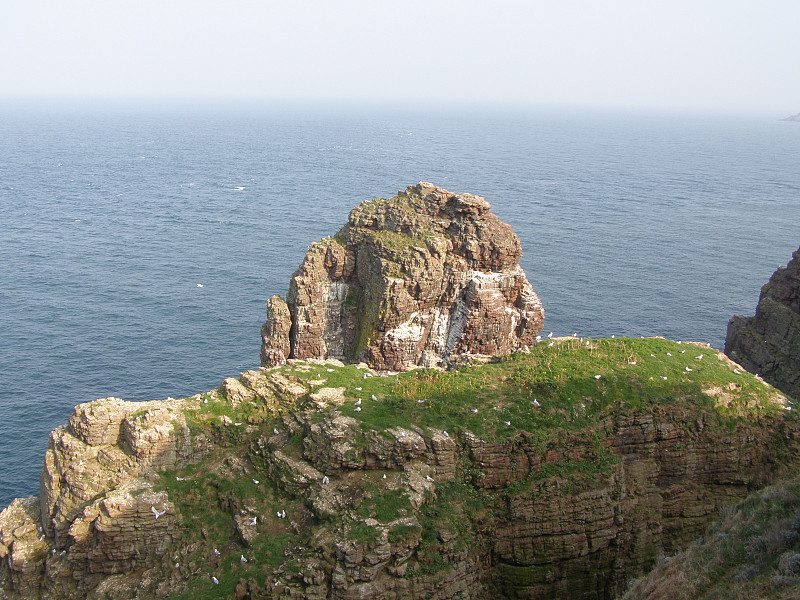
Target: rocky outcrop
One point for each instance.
(296, 487)
(769, 342)
(419, 279)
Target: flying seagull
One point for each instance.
(156, 512)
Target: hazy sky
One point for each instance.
(717, 54)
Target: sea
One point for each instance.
(140, 242)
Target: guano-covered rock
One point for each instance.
(423, 278)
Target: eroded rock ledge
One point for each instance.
(769, 342)
(419, 279)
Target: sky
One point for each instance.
(724, 55)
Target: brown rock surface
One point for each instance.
(769, 342)
(419, 279)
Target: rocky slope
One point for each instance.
(419, 279)
(751, 551)
(558, 473)
(769, 342)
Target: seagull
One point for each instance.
(365, 376)
(550, 335)
(215, 580)
(325, 480)
(444, 432)
(358, 389)
(275, 430)
(474, 410)
(597, 376)
(357, 409)
(653, 355)
(237, 424)
(156, 512)
(633, 362)
(574, 335)
(736, 371)
(179, 479)
(384, 475)
(358, 403)
(538, 338)
(428, 478)
(216, 552)
(613, 336)
(550, 344)
(242, 559)
(283, 514)
(700, 357)
(587, 342)
(536, 402)
(664, 378)
(688, 370)
(330, 370)
(374, 397)
(683, 351)
(669, 353)
(177, 565)
(256, 481)
(508, 423)
(318, 375)
(199, 285)
(253, 521)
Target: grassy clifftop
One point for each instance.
(426, 471)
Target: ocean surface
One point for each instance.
(631, 224)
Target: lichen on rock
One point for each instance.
(423, 278)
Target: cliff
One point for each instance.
(557, 473)
(422, 278)
(751, 551)
(769, 342)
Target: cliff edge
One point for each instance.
(422, 278)
(769, 342)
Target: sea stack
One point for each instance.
(424, 278)
(769, 342)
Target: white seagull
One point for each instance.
(428, 478)
(242, 559)
(256, 481)
(275, 430)
(374, 397)
(215, 580)
(358, 402)
(156, 512)
(325, 480)
(357, 409)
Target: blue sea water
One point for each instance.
(631, 224)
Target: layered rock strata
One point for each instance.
(419, 279)
(406, 511)
(769, 342)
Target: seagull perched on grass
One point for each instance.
(256, 482)
(688, 370)
(325, 480)
(428, 478)
(549, 335)
(157, 512)
(669, 353)
(215, 580)
(358, 402)
(474, 410)
(536, 402)
(374, 397)
(357, 409)
(253, 521)
(275, 430)
(550, 344)
(508, 423)
(216, 552)
(700, 357)
(664, 378)
(242, 559)
(445, 434)
(597, 376)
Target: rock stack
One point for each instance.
(769, 342)
(423, 278)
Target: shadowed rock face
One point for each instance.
(418, 279)
(769, 342)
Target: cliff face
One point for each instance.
(419, 279)
(558, 473)
(769, 342)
